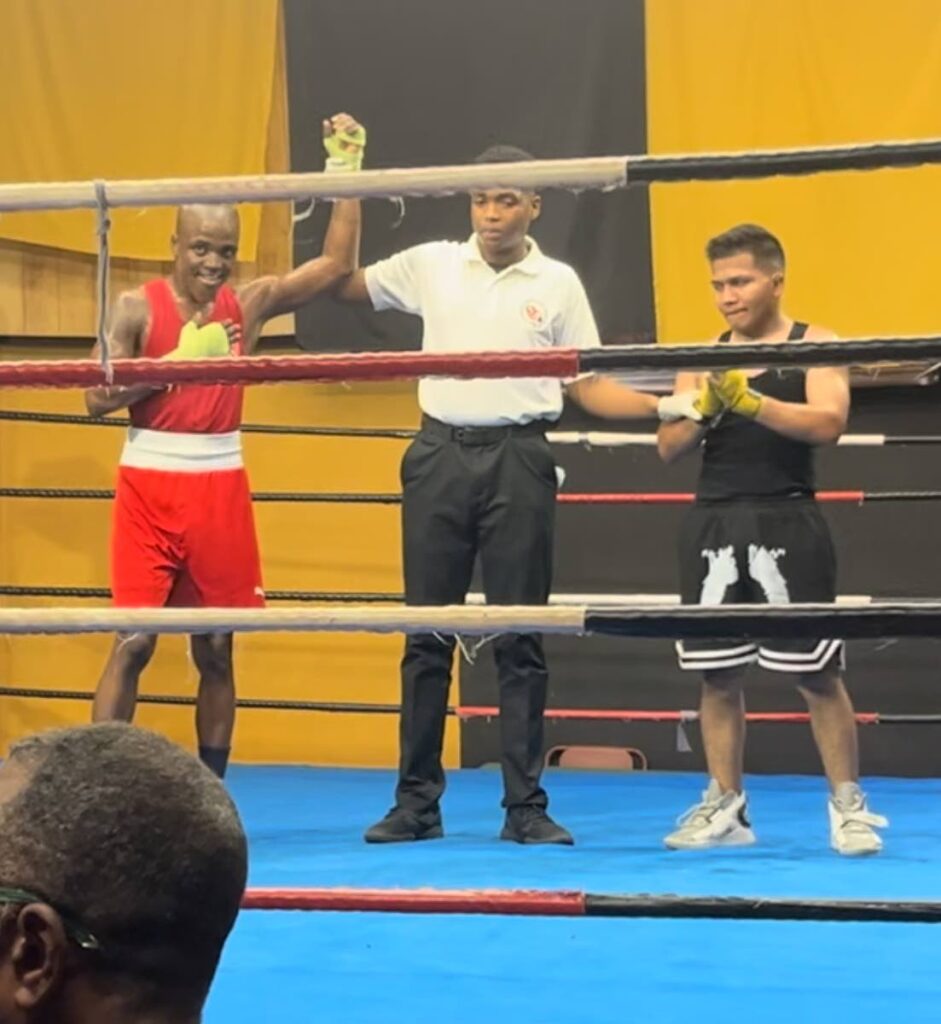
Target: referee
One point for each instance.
(480, 479)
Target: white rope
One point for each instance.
(651, 618)
(580, 173)
(334, 619)
(590, 173)
(102, 228)
(622, 439)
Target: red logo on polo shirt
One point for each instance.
(534, 313)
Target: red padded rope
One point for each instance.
(85, 373)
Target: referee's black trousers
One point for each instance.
(467, 491)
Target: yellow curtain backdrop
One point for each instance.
(112, 89)
(747, 74)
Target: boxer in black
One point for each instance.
(755, 535)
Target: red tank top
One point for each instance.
(187, 408)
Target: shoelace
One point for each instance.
(700, 814)
(861, 820)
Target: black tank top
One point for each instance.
(743, 460)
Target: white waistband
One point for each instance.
(182, 453)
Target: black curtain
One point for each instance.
(436, 83)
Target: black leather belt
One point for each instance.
(482, 435)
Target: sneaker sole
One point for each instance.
(437, 832)
(747, 840)
(856, 853)
(512, 837)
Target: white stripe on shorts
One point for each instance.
(726, 657)
(802, 661)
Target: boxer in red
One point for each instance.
(183, 532)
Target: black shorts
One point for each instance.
(757, 552)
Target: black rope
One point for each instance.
(80, 493)
(340, 707)
(271, 428)
(352, 708)
(247, 428)
(798, 353)
(54, 492)
(648, 169)
(313, 596)
(760, 908)
(15, 416)
(342, 498)
(11, 591)
(327, 596)
(756, 622)
(909, 719)
(902, 496)
(383, 432)
(328, 499)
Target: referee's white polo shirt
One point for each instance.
(468, 307)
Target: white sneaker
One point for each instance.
(720, 820)
(852, 826)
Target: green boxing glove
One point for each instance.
(195, 342)
(345, 150)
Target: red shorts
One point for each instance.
(184, 539)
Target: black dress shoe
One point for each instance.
(533, 825)
(403, 826)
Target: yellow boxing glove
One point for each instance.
(735, 393)
(345, 148)
(708, 402)
(699, 406)
(201, 342)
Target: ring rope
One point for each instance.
(625, 439)
(74, 419)
(102, 229)
(369, 366)
(367, 597)
(375, 366)
(763, 622)
(626, 715)
(347, 619)
(571, 903)
(605, 173)
(600, 498)
(588, 439)
(712, 356)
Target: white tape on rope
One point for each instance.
(619, 439)
(619, 600)
(601, 439)
(862, 440)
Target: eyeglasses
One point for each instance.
(77, 932)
